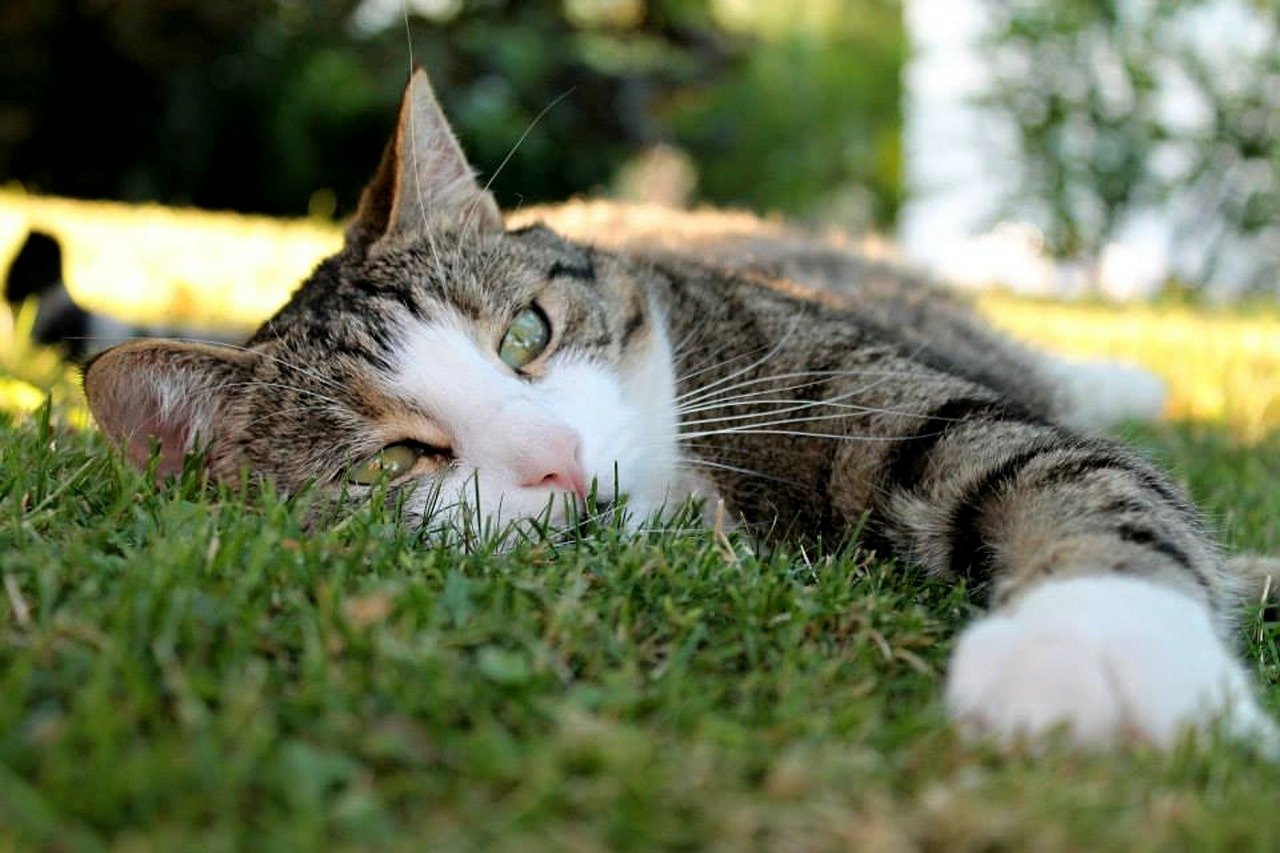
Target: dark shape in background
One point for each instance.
(36, 274)
(254, 105)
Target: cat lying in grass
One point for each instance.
(467, 368)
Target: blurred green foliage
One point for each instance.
(1120, 106)
(257, 104)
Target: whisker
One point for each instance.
(706, 393)
(772, 352)
(677, 350)
(778, 422)
(313, 407)
(526, 133)
(571, 532)
(650, 531)
(700, 394)
(685, 377)
(882, 375)
(750, 420)
(292, 365)
(284, 362)
(750, 472)
(433, 249)
(751, 398)
(787, 406)
(413, 148)
(798, 433)
(283, 386)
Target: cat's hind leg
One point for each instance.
(1096, 395)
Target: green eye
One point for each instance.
(392, 461)
(526, 338)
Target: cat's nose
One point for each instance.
(554, 462)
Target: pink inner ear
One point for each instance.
(129, 404)
(171, 435)
(167, 392)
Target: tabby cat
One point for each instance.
(503, 370)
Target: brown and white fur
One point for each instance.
(815, 393)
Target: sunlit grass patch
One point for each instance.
(155, 264)
(30, 375)
(19, 396)
(1221, 366)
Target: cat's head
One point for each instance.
(437, 351)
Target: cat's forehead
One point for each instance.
(474, 275)
(361, 303)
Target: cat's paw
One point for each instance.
(1097, 395)
(1104, 659)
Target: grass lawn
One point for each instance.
(186, 669)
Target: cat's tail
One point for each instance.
(1096, 395)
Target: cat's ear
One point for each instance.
(424, 180)
(176, 395)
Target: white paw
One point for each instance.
(1101, 394)
(1104, 658)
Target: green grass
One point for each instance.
(183, 669)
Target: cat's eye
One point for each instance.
(392, 461)
(525, 339)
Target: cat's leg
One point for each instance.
(1111, 603)
(1105, 657)
(1098, 394)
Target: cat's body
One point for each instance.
(831, 270)
(503, 369)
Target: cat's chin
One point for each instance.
(689, 499)
(468, 532)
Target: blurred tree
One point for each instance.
(812, 114)
(1122, 107)
(256, 104)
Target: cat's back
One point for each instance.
(861, 274)
(732, 239)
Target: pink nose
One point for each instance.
(554, 461)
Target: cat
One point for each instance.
(467, 364)
(35, 274)
(35, 277)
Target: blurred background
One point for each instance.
(1121, 147)
(1054, 147)
(282, 106)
